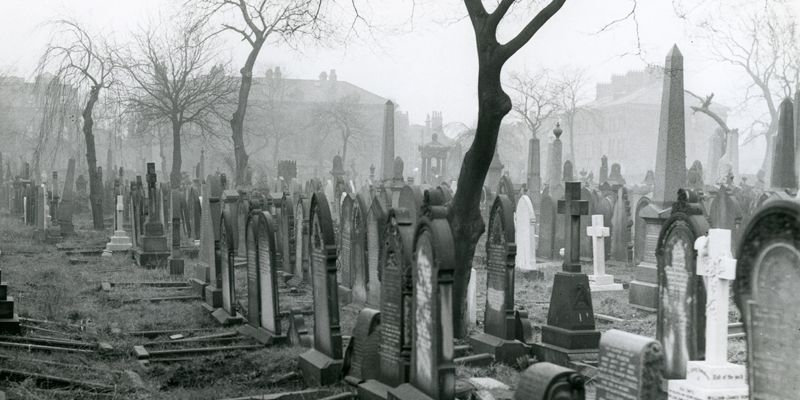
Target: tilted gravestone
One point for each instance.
(547, 381)
(765, 291)
(432, 374)
(631, 367)
(499, 336)
(570, 334)
(376, 221)
(322, 365)
(680, 323)
(153, 252)
(345, 275)
(714, 377)
(263, 318)
(227, 314)
(362, 359)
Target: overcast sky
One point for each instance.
(431, 65)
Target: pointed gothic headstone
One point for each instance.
(783, 160)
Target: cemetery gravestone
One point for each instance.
(362, 357)
(680, 322)
(767, 277)
(263, 318)
(547, 381)
(153, 252)
(376, 221)
(547, 228)
(345, 276)
(67, 204)
(499, 336)
(359, 252)
(621, 247)
(120, 241)
(176, 261)
(9, 321)
(432, 375)
(525, 234)
(714, 378)
(631, 367)
(322, 365)
(227, 314)
(599, 281)
(301, 241)
(570, 334)
(202, 268)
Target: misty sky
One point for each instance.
(431, 64)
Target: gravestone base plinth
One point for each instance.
(226, 319)
(373, 390)
(176, 265)
(603, 283)
(119, 242)
(52, 235)
(213, 298)
(530, 274)
(198, 288)
(643, 294)
(407, 391)
(318, 369)
(200, 278)
(710, 382)
(10, 325)
(262, 335)
(504, 351)
(151, 259)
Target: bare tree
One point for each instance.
(275, 113)
(572, 93)
(493, 104)
(535, 98)
(343, 115)
(175, 80)
(763, 45)
(78, 59)
(259, 22)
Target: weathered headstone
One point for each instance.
(175, 260)
(681, 299)
(120, 241)
(499, 336)
(287, 236)
(153, 251)
(783, 161)
(301, 242)
(554, 165)
(345, 275)
(570, 334)
(715, 377)
(631, 367)
(432, 375)
(376, 221)
(263, 318)
(621, 245)
(767, 277)
(322, 365)
(360, 252)
(227, 314)
(599, 281)
(547, 228)
(387, 145)
(547, 381)
(525, 234)
(202, 267)
(362, 357)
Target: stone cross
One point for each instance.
(598, 233)
(716, 264)
(572, 207)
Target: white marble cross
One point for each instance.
(598, 233)
(717, 265)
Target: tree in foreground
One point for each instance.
(175, 81)
(493, 104)
(79, 60)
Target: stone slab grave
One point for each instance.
(263, 318)
(714, 378)
(396, 307)
(599, 281)
(525, 236)
(432, 371)
(499, 337)
(547, 381)
(570, 333)
(680, 323)
(9, 320)
(322, 364)
(227, 314)
(153, 251)
(765, 291)
(630, 367)
(192, 348)
(670, 175)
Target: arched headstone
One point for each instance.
(359, 253)
(227, 314)
(547, 228)
(263, 316)
(346, 248)
(525, 233)
(376, 220)
(302, 240)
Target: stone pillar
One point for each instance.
(388, 141)
(783, 159)
(554, 165)
(534, 171)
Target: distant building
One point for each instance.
(622, 123)
(306, 118)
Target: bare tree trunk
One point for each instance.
(163, 155)
(95, 186)
(464, 214)
(175, 175)
(237, 120)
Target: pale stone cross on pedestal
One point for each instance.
(598, 233)
(717, 265)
